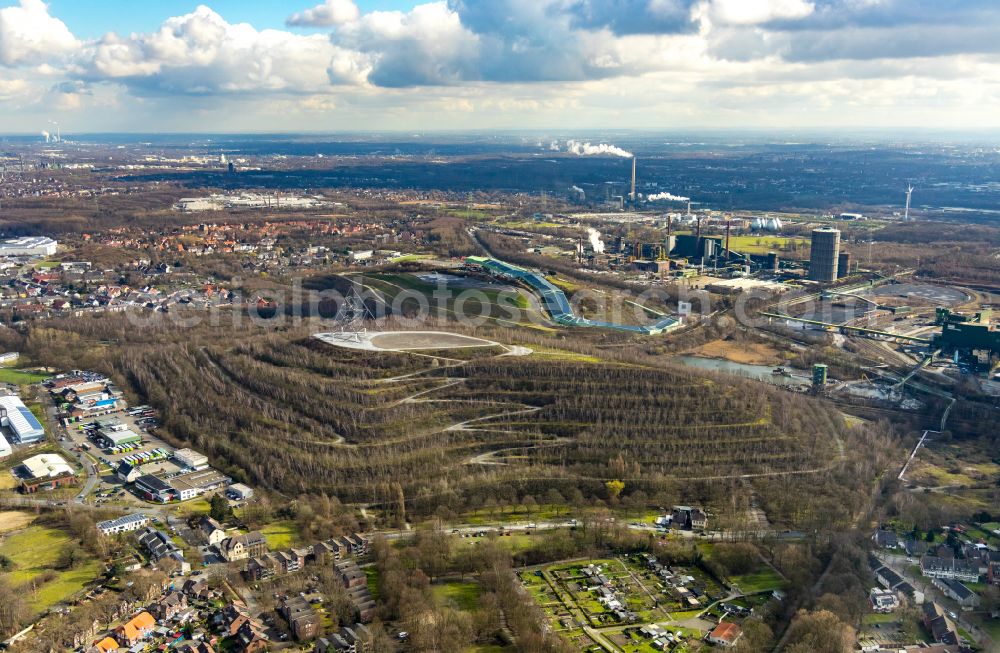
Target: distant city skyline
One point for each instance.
(658, 65)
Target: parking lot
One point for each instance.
(84, 434)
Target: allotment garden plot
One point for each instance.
(618, 598)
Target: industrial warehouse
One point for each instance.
(28, 246)
(181, 487)
(20, 421)
(46, 472)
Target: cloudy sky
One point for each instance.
(255, 65)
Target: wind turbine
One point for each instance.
(906, 213)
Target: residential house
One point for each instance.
(242, 547)
(262, 567)
(212, 530)
(915, 548)
(250, 638)
(360, 637)
(688, 518)
(957, 591)
(169, 606)
(196, 647)
(231, 618)
(938, 624)
(106, 645)
(197, 588)
(333, 644)
(993, 568)
(137, 628)
(885, 539)
(953, 568)
(887, 577)
(351, 574)
(159, 545)
(725, 634)
(883, 600)
(122, 524)
(302, 619)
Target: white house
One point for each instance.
(123, 524)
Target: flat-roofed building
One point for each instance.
(154, 488)
(188, 486)
(123, 524)
(5, 449)
(46, 464)
(28, 246)
(46, 472)
(191, 459)
(119, 438)
(23, 424)
(239, 491)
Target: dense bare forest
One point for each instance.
(281, 410)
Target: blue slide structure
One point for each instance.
(555, 302)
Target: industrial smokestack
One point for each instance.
(727, 238)
(633, 179)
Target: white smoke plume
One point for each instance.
(595, 240)
(46, 135)
(576, 189)
(666, 196)
(554, 146)
(587, 149)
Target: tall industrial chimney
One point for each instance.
(633, 180)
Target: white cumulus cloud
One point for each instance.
(201, 53)
(329, 14)
(29, 35)
(754, 12)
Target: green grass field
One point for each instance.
(463, 595)
(762, 580)
(880, 618)
(411, 257)
(764, 244)
(280, 534)
(35, 551)
(371, 574)
(20, 377)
